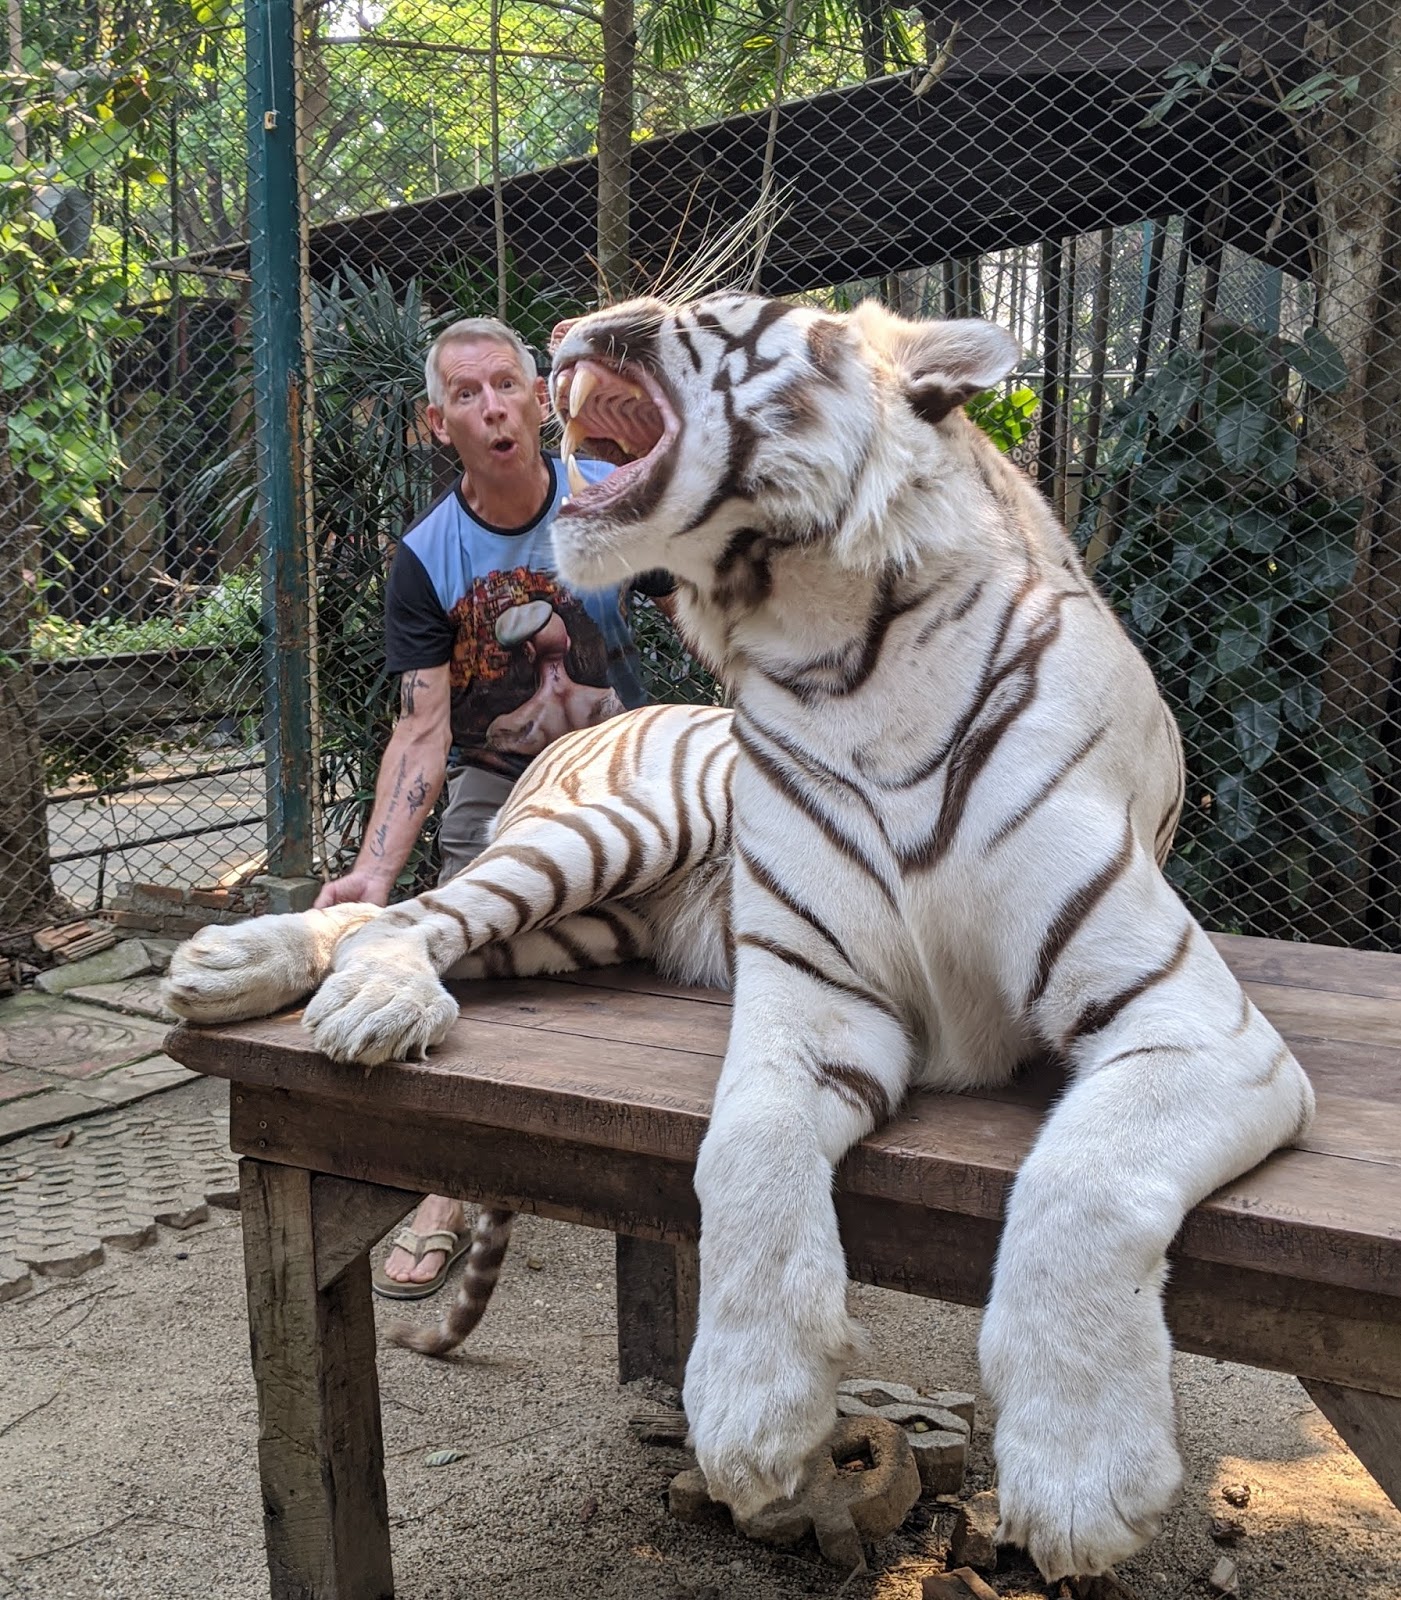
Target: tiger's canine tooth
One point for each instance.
(578, 483)
(584, 384)
(574, 436)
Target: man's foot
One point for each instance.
(435, 1214)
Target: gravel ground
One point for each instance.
(128, 1423)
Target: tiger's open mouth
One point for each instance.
(619, 414)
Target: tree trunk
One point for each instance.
(26, 889)
(1354, 147)
(615, 151)
(1354, 435)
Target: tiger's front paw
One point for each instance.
(254, 968)
(761, 1398)
(384, 1005)
(1087, 1461)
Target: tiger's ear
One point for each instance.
(939, 365)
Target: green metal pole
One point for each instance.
(275, 264)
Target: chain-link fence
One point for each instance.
(1186, 211)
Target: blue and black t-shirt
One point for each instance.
(529, 659)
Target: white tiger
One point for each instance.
(954, 786)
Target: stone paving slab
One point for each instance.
(111, 1181)
(137, 997)
(64, 1057)
(76, 1041)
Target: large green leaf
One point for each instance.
(1301, 700)
(1318, 361)
(1203, 675)
(1245, 629)
(1256, 726)
(1349, 784)
(1309, 630)
(1237, 807)
(1147, 606)
(1320, 564)
(1241, 431)
(1259, 529)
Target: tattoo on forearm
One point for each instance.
(381, 834)
(407, 684)
(417, 796)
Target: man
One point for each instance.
(481, 553)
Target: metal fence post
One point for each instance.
(275, 229)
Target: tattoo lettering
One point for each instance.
(381, 833)
(407, 684)
(417, 796)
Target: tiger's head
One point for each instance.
(737, 415)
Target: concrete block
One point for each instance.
(288, 894)
(15, 1279)
(937, 1435)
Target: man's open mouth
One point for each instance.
(619, 414)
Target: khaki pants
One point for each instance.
(474, 798)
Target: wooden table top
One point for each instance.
(621, 1059)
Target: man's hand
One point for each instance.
(357, 885)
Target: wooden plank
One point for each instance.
(627, 1016)
(1326, 1014)
(1308, 1216)
(658, 1291)
(640, 979)
(320, 1451)
(348, 1219)
(1311, 966)
(1238, 1313)
(1371, 1426)
(956, 1151)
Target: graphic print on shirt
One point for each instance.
(529, 660)
(531, 663)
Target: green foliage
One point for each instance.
(1220, 74)
(1005, 418)
(229, 618)
(1224, 567)
(64, 282)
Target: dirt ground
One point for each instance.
(127, 1454)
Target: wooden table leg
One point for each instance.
(1370, 1425)
(320, 1451)
(658, 1290)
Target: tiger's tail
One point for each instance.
(491, 1236)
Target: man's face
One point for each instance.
(492, 412)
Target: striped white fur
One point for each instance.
(614, 846)
(953, 784)
(956, 786)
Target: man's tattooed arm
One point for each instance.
(377, 839)
(417, 796)
(408, 684)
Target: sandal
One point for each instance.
(419, 1244)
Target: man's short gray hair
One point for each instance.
(460, 333)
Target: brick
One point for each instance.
(974, 1542)
(215, 899)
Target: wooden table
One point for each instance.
(585, 1099)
